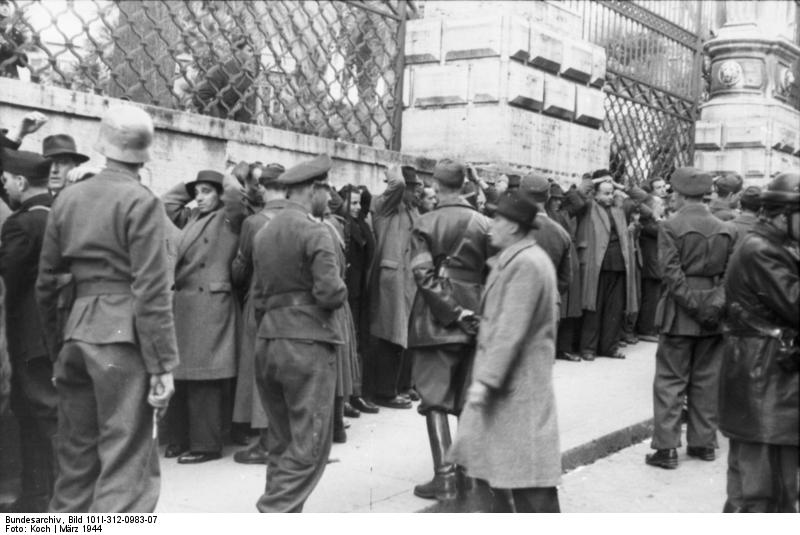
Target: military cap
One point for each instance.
(270, 173)
(410, 176)
(62, 145)
(751, 198)
(556, 191)
(517, 207)
(28, 164)
(691, 181)
(315, 169)
(206, 176)
(536, 186)
(450, 173)
(729, 183)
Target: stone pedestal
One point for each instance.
(751, 122)
(505, 85)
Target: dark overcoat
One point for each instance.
(513, 441)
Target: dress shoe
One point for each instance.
(649, 338)
(362, 405)
(705, 454)
(587, 355)
(196, 457)
(173, 450)
(239, 436)
(350, 411)
(630, 339)
(663, 458)
(615, 354)
(411, 394)
(396, 402)
(255, 454)
(572, 357)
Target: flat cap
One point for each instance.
(536, 186)
(315, 169)
(691, 181)
(270, 174)
(751, 198)
(516, 206)
(28, 164)
(729, 183)
(450, 173)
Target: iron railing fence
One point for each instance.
(327, 68)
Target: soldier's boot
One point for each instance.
(443, 484)
(339, 434)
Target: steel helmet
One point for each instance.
(783, 192)
(126, 133)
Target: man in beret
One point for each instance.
(555, 241)
(61, 150)
(726, 188)
(749, 205)
(395, 212)
(247, 407)
(297, 289)
(33, 397)
(693, 250)
(449, 248)
(607, 275)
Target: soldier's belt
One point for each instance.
(87, 288)
(461, 275)
(288, 299)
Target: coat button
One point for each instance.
(202, 265)
(200, 289)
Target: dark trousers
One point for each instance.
(651, 291)
(602, 327)
(107, 458)
(384, 368)
(441, 376)
(297, 383)
(690, 366)
(34, 402)
(762, 478)
(194, 417)
(566, 339)
(527, 500)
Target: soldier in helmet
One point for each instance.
(760, 377)
(114, 358)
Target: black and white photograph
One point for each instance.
(399, 256)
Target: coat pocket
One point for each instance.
(219, 287)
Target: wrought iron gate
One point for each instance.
(653, 84)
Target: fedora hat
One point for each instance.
(208, 177)
(62, 145)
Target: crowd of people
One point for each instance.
(260, 304)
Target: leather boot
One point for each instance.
(443, 484)
(339, 434)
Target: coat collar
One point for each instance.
(275, 205)
(195, 228)
(501, 260)
(43, 199)
(460, 202)
(692, 209)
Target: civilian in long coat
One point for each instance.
(508, 431)
(392, 283)
(206, 314)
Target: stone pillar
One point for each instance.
(751, 122)
(507, 86)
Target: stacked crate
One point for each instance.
(505, 83)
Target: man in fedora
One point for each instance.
(33, 396)
(297, 289)
(60, 149)
(449, 247)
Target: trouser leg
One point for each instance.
(177, 417)
(34, 402)
(388, 361)
(129, 478)
(205, 404)
(669, 385)
(647, 310)
(536, 500)
(271, 393)
(566, 335)
(590, 332)
(404, 379)
(703, 392)
(78, 434)
(306, 371)
(734, 479)
(612, 309)
(765, 480)
(441, 376)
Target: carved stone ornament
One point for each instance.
(787, 79)
(730, 73)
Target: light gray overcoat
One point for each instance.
(512, 441)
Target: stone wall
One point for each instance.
(186, 143)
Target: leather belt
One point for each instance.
(462, 275)
(288, 299)
(87, 288)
